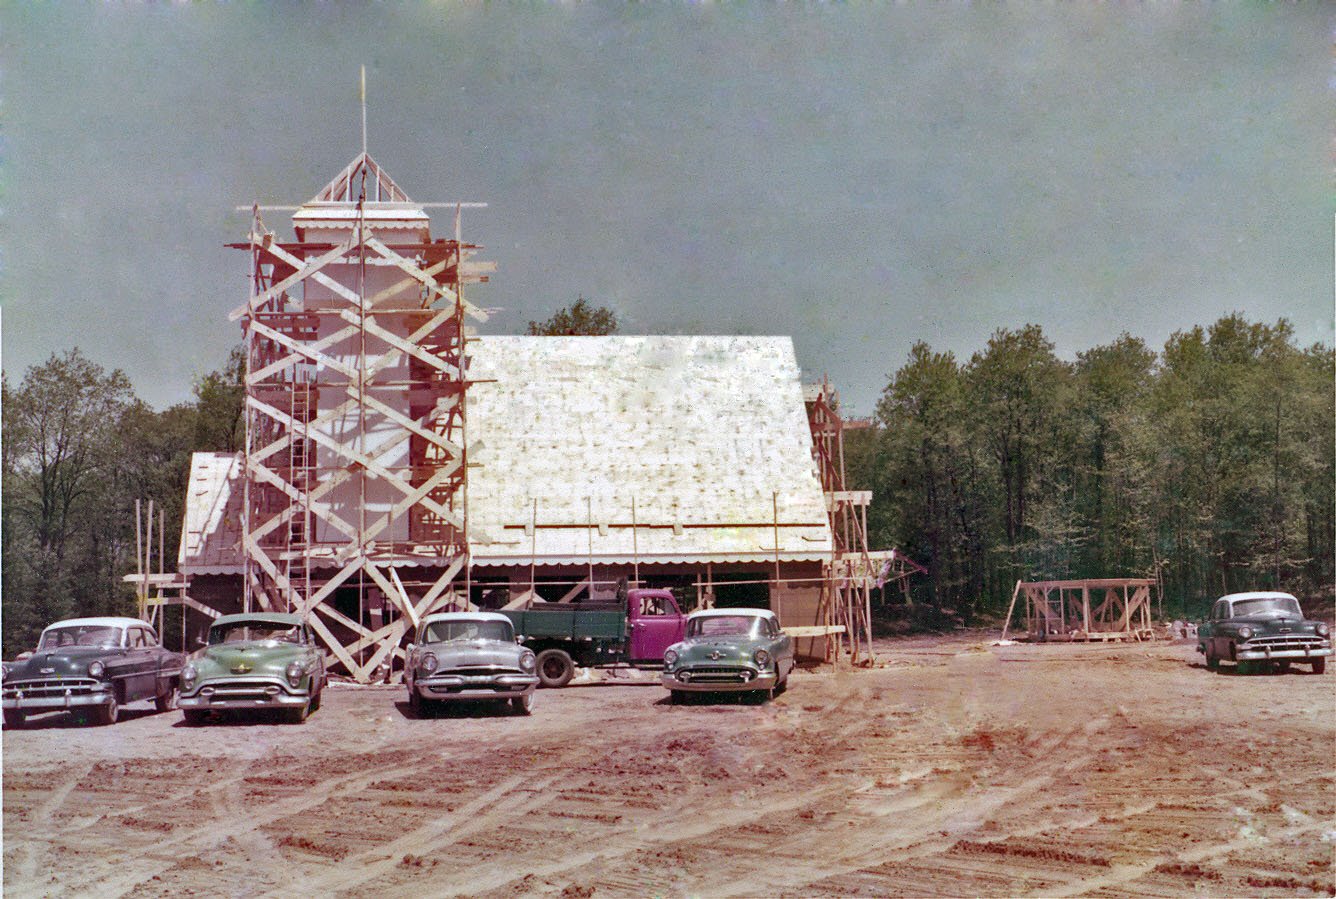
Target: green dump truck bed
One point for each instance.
(574, 621)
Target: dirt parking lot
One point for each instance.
(954, 769)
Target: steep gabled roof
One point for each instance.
(708, 436)
(347, 184)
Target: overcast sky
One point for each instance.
(860, 177)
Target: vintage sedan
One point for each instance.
(729, 650)
(92, 667)
(1263, 628)
(255, 661)
(466, 656)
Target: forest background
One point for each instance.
(1209, 464)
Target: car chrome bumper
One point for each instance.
(1265, 653)
(674, 680)
(267, 693)
(449, 687)
(67, 700)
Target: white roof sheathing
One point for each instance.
(707, 436)
(657, 449)
(211, 535)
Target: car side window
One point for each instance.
(1219, 612)
(652, 605)
(141, 638)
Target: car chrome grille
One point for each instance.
(719, 674)
(1286, 641)
(476, 671)
(50, 686)
(249, 690)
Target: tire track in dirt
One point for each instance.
(930, 817)
(168, 852)
(513, 796)
(41, 822)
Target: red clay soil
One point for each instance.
(954, 769)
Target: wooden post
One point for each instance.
(1014, 594)
(635, 543)
(774, 501)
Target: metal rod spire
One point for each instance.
(363, 108)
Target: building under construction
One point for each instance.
(396, 464)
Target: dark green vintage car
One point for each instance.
(255, 661)
(729, 650)
(91, 667)
(1264, 628)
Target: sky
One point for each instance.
(860, 177)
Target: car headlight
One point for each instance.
(294, 673)
(427, 663)
(762, 657)
(527, 661)
(96, 669)
(1322, 629)
(1245, 633)
(188, 675)
(669, 659)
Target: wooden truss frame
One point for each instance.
(299, 551)
(1085, 610)
(851, 572)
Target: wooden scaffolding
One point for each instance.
(1085, 610)
(852, 571)
(356, 454)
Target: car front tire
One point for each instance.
(166, 702)
(298, 715)
(1319, 665)
(14, 718)
(522, 705)
(107, 714)
(195, 717)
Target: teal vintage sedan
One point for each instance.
(255, 661)
(729, 650)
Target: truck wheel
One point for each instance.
(166, 702)
(555, 668)
(1319, 665)
(14, 718)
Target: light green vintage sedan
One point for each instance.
(729, 650)
(255, 661)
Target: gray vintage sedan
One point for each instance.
(469, 656)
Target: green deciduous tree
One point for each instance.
(580, 318)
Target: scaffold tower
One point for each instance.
(356, 451)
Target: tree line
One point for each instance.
(1208, 465)
(78, 449)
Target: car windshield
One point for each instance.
(257, 631)
(81, 635)
(452, 631)
(722, 626)
(1268, 607)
